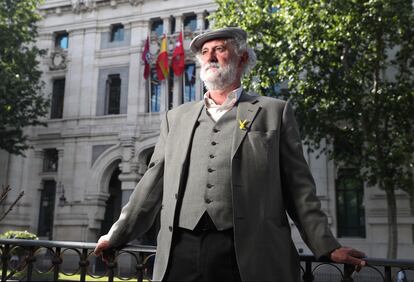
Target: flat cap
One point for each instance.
(227, 32)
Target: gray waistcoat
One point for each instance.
(208, 186)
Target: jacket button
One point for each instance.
(211, 156)
(215, 130)
(176, 196)
(208, 201)
(213, 143)
(210, 169)
(209, 185)
(170, 228)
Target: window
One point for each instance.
(62, 40)
(157, 27)
(172, 25)
(190, 23)
(350, 204)
(113, 95)
(47, 209)
(117, 33)
(206, 21)
(189, 83)
(50, 160)
(58, 94)
(155, 102)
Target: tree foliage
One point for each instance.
(21, 100)
(349, 72)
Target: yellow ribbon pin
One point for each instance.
(242, 124)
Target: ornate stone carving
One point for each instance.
(82, 5)
(136, 2)
(58, 60)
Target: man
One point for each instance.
(224, 173)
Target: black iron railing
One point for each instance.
(42, 260)
(376, 270)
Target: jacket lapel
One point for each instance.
(247, 110)
(189, 120)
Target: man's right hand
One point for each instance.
(102, 245)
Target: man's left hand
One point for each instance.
(349, 256)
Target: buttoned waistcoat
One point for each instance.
(269, 179)
(208, 186)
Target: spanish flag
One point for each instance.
(162, 60)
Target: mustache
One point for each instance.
(211, 65)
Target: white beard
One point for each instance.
(217, 77)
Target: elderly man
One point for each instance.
(224, 173)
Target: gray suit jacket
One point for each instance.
(270, 178)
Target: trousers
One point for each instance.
(202, 254)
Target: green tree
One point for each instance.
(349, 72)
(21, 100)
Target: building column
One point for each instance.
(165, 82)
(88, 81)
(34, 194)
(166, 25)
(178, 23)
(136, 72)
(129, 176)
(74, 75)
(178, 81)
(200, 21)
(178, 90)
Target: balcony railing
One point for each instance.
(42, 260)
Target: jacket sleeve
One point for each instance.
(140, 212)
(299, 190)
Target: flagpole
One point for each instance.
(183, 76)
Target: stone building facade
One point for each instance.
(104, 122)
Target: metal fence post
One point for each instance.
(348, 271)
(30, 259)
(308, 276)
(57, 261)
(83, 263)
(388, 276)
(5, 260)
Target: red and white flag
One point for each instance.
(146, 58)
(177, 62)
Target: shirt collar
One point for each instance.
(232, 99)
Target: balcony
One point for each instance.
(41, 260)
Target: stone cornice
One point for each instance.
(61, 7)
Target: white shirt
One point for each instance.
(217, 111)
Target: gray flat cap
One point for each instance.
(227, 32)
